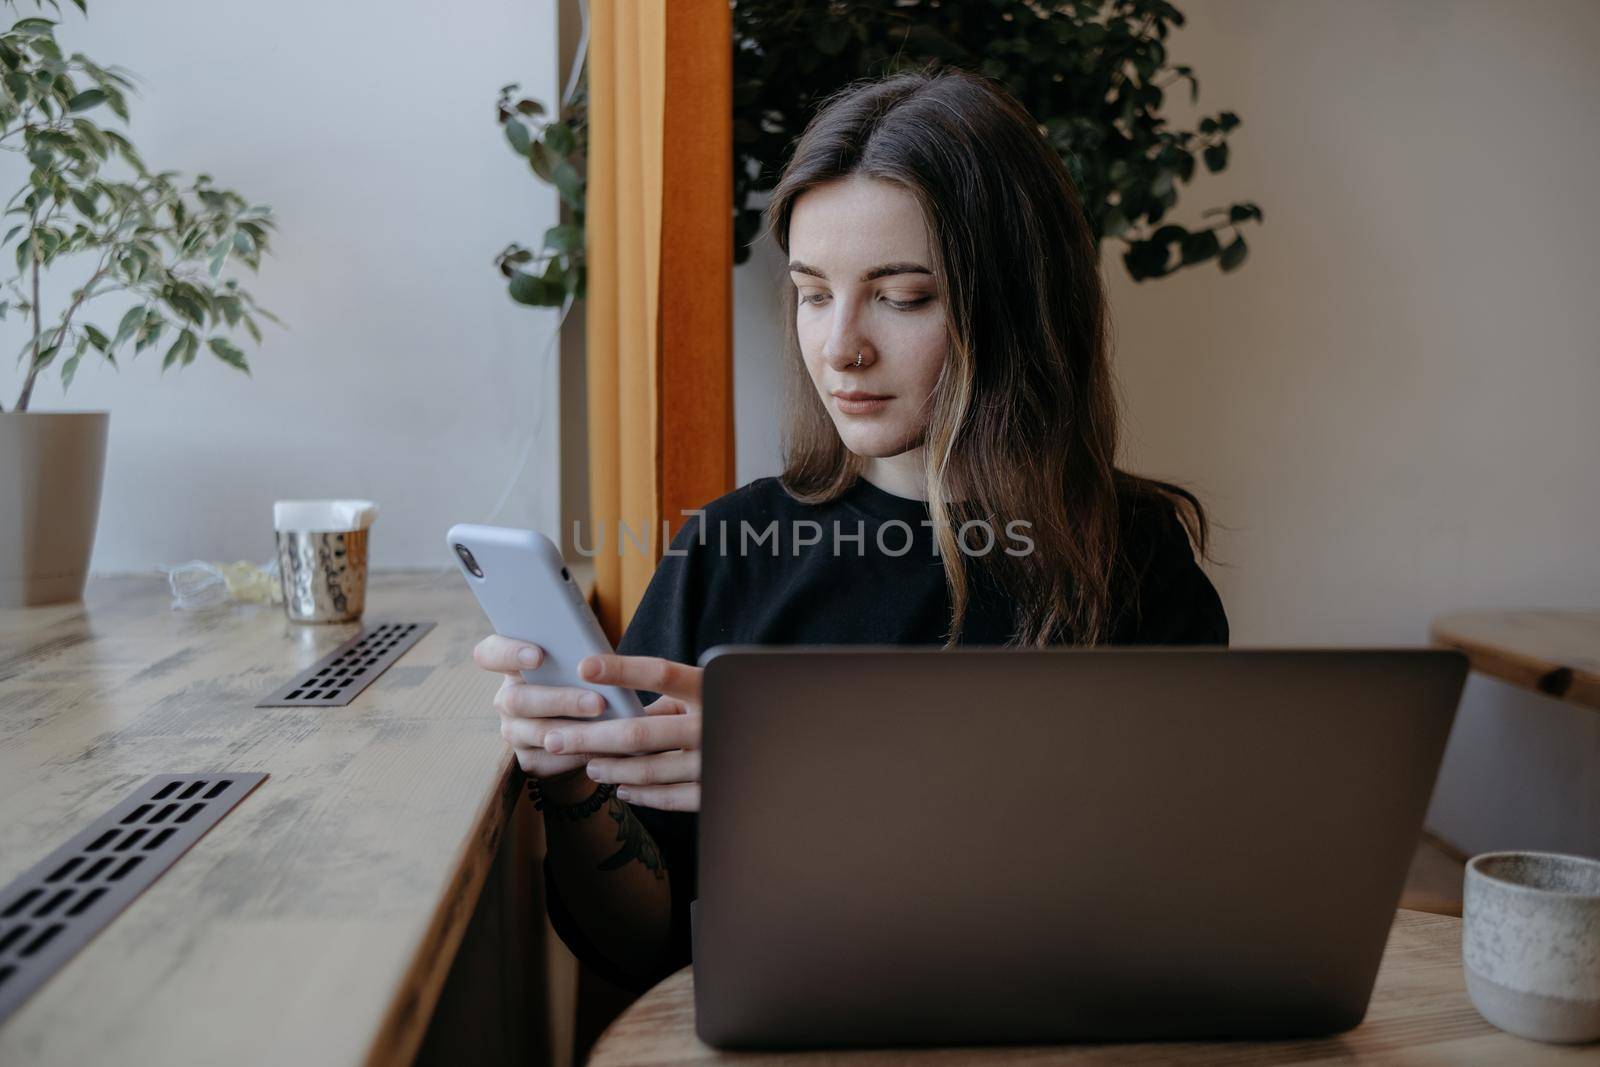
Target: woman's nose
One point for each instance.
(846, 346)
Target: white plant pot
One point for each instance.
(51, 467)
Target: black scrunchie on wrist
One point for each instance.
(571, 812)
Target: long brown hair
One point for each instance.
(1023, 418)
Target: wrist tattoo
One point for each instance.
(637, 844)
(571, 812)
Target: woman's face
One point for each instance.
(860, 258)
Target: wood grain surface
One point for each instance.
(317, 922)
(1552, 652)
(1419, 1014)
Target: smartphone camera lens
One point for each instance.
(468, 560)
(565, 577)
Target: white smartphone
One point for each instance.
(523, 585)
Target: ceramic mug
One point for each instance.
(1530, 943)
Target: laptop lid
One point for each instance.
(917, 846)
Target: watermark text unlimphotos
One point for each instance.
(893, 537)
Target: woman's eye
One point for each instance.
(813, 298)
(908, 305)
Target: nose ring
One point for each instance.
(858, 359)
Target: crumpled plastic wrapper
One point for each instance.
(198, 584)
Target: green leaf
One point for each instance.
(1168, 234)
(569, 185)
(154, 326)
(563, 238)
(1236, 213)
(530, 107)
(1233, 255)
(219, 255)
(1228, 121)
(229, 353)
(530, 289)
(34, 27)
(182, 350)
(84, 203)
(187, 306)
(518, 135)
(86, 99)
(1199, 247)
(1115, 224)
(1216, 157)
(560, 139)
(243, 244)
(100, 341)
(1146, 259)
(130, 322)
(70, 368)
(542, 162)
(175, 352)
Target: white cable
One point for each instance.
(580, 55)
(538, 419)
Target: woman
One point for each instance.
(954, 392)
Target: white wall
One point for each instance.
(1391, 407)
(405, 374)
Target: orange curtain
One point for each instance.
(660, 292)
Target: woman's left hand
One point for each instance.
(654, 760)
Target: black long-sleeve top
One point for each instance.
(753, 569)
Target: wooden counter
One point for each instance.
(316, 923)
(1556, 653)
(1419, 1014)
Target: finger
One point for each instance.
(665, 797)
(650, 673)
(529, 733)
(543, 701)
(663, 768)
(541, 764)
(496, 653)
(668, 706)
(626, 737)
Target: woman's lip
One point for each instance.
(869, 404)
(856, 395)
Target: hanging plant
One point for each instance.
(1096, 75)
(556, 150)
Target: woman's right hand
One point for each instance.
(528, 712)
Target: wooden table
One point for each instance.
(317, 922)
(1420, 1014)
(1552, 652)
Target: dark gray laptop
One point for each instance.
(985, 846)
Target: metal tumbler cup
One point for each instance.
(324, 574)
(322, 557)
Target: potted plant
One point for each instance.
(91, 205)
